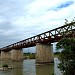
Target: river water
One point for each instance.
(28, 67)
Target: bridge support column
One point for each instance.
(17, 55)
(44, 54)
(5, 55)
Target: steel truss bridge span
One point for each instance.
(50, 36)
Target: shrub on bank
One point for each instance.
(5, 65)
(29, 55)
(32, 56)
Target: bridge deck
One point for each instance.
(46, 37)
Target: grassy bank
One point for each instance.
(29, 55)
(32, 55)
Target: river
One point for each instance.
(28, 67)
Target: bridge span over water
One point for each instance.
(41, 41)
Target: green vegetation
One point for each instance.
(52, 73)
(5, 65)
(67, 56)
(56, 54)
(29, 55)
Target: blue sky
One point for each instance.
(21, 19)
(66, 4)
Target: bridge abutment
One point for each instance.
(17, 55)
(44, 54)
(5, 55)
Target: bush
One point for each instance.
(4, 65)
(32, 56)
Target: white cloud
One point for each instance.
(27, 18)
(42, 5)
(44, 18)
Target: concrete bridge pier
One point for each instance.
(5, 55)
(17, 54)
(44, 54)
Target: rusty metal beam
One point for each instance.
(47, 37)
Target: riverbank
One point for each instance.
(33, 55)
(28, 55)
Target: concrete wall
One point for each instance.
(44, 53)
(5, 55)
(17, 55)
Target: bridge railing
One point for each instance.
(43, 37)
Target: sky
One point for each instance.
(22, 19)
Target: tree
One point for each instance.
(67, 56)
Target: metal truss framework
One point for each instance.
(51, 36)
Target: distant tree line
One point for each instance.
(29, 55)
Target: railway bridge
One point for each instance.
(42, 42)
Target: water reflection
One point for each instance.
(56, 70)
(44, 69)
(28, 67)
(18, 68)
